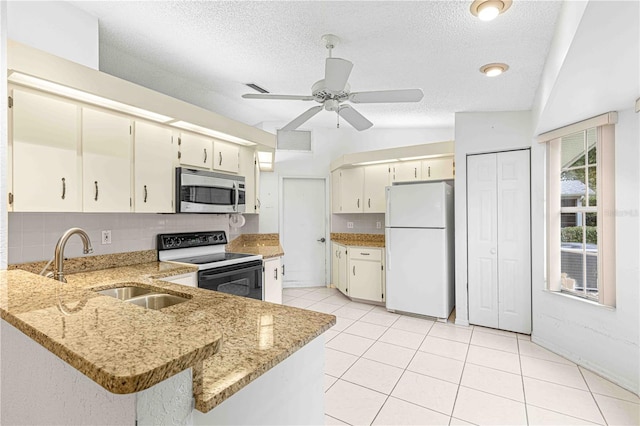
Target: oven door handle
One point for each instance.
(236, 187)
(212, 274)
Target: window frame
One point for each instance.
(605, 176)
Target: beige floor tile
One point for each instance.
(494, 331)
(351, 344)
(295, 292)
(451, 332)
(459, 422)
(390, 354)
(445, 347)
(494, 341)
(349, 313)
(398, 412)
(562, 399)
(326, 290)
(326, 308)
(337, 300)
(373, 375)
(314, 295)
(330, 334)
(299, 303)
(403, 338)
(336, 362)
(540, 417)
(533, 350)
(500, 360)
(381, 318)
(523, 337)
(436, 366)
(342, 323)
(353, 404)
(428, 392)
(486, 409)
(603, 386)
(362, 306)
(562, 374)
(365, 329)
(286, 298)
(493, 381)
(617, 411)
(414, 325)
(328, 420)
(329, 381)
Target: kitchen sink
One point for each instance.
(141, 296)
(157, 300)
(124, 293)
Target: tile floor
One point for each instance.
(387, 369)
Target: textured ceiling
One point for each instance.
(204, 52)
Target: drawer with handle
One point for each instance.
(374, 254)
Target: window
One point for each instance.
(580, 200)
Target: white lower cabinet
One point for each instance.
(272, 279)
(189, 279)
(358, 272)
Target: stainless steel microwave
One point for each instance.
(201, 191)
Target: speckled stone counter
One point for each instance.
(268, 245)
(227, 340)
(360, 240)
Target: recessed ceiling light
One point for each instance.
(495, 69)
(487, 10)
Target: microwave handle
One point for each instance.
(235, 186)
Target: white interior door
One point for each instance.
(498, 215)
(303, 231)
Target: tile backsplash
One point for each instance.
(33, 236)
(363, 223)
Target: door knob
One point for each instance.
(322, 240)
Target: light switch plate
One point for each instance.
(350, 225)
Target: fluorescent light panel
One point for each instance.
(59, 89)
(209, 132)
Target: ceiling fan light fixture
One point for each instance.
(494, 69)
(487, 10)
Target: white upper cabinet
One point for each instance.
(376, 178)
(153, 168)
(437, 168)
(336, 191)
(406, 171)
(195, 151)
(352, 190)
(106, 161)
(226, 156)
(248, 169)
(45, 148)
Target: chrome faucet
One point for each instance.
(58, 261)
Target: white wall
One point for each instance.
(55, 27)
(480, 132)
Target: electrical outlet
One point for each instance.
(106, 237)
(378, 225)
(350, 225)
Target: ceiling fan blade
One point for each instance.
(353, 117)
(382, 96)
(336, 74)
(302, 118)
(277, 97)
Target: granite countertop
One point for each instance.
(227, 340)
(358, 240)
(268, 245)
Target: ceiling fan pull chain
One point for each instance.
(338, 119)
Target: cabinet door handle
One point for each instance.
(358, 202)
(365, 254)
(205, 155)
(275, 273)
(429, 171)
(64, 188)
(354, 270)
(415, 172)
(369, 202)
(145, 193)
(96, 197)
(220, 158)
(282, 270)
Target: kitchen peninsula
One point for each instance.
(148, 366)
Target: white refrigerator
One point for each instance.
(419, 247)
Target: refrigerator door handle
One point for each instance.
(387, 243)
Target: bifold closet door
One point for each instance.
(499, 235)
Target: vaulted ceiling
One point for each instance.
(205, 52)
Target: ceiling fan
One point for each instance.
(333, 91)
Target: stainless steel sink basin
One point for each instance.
(124, 293)
(141, 296)
(157, 300)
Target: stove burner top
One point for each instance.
(212, 258)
